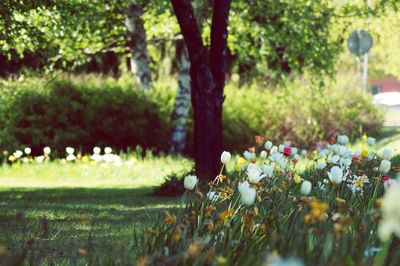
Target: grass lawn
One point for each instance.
(66, 207)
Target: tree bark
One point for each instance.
(208, 78)
(182, 101)
(136, 42)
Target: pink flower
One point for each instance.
(287, 151)
(385, 179)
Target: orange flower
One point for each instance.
(209, 210)
(225, 215)
(259, 139)
(169, 218)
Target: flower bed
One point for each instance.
(344, 208)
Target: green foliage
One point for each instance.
(84, 112)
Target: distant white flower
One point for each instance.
(335, 148)
(263, 154)
(17, 154)
(306, 187)
(303, 152)
(335, 175)
(387, 154)
(40, 159)
(254, 173)
(273, 150)
(346, 162)
(96, 150)
(25, 160)
(70, 150)
(190, 182)
(357, 183)
(46, 150)
(342, 139)
(107, 150)
(268, 145)
(390, 223)
(247, 195)
(371, 141)
(249, 155)
(268, 170)
(27, 150)
(357, 153)
(334, 159)
(281, 147)
(342, 151)
(212, 195)
(70, 157)
(225, 157)
(384, 167)
(321, 165)
(323, 153)
(294, 151)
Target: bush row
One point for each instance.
(89, 111)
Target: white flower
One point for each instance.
(384, 167)
(357, 153)
(225, 157)
(303, 152)
(294, 151)
(70, 157)
(268, 145)
(343, 139)
(387, 154)
(249, 155)
(263, 154)
(254, 173)
(281, 147)
(305, 188)
(371, 141)
(335, 148)
(40, 159)
(390, 223)
(321, 165)
(268, 170)
(335, 175)
(212, 195)
(242, 186)
(46, 150)
(346, 162)
(343, 151)
(273, 150)
(17, 154)
(96, 150)
(190, 182)
(27, 150)
(334, 159)
(107, 150)
(70, 150)
(324, 153)
(25, 160)
(247, 195)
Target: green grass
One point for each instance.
(85, 206)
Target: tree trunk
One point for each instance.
(136, 41)
(207, 82)
(182, 101)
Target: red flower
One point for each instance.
(356, 158)
(385, 179)
(287, 151)
(331, 140)
(259, 139)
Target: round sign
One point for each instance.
(359, 42)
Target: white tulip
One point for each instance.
(305, 188)
(107, 150)
(273, 150)
(249, 155)
(281, 147)
(225, 157)
(346, 162)
(18, 154)
(335, 148)
(294, 151)
(96, 150)
(335, 175)
(27, 150)
(70, 157)
(371, 141)
(387, 154)
(268, 145)
(303, 152)
(254, 173)
(321, 165)
(242, 186)
(46, 150)
(263, 154)
(248, 195)
(268, 170)
(334, 159)
(384, 167)
(343, 139)
(69, 150)
(190, 182)
(342, 151)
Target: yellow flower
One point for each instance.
(85, 158)
(297, 179)
(364, 137)
(359, 183)
(339, 200)
(225, 215)
(169, 218)
(315, 152)
(364, 153)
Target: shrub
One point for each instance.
(86, 111)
